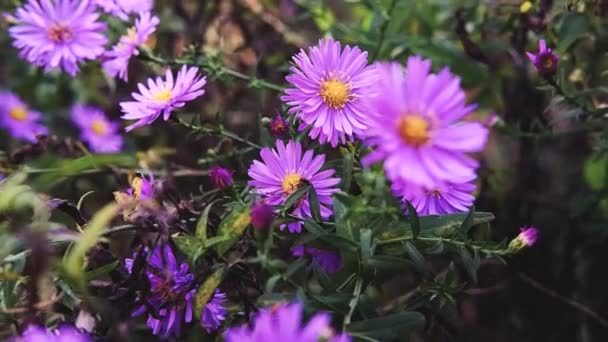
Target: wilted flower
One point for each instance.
(141, 189)
(163, 96)
(172, 290)
(214, 312)
(284, 323)
(122, 8)
(419, 135)
(330, 84)
(278, 127)
(220, 177)
(330, 261)
(285, 170)
(545, 60)
(100, 133)
(117, 61)
(262, 215)
(18, 119)
(58, 34)
(447, 198)
(65, 333)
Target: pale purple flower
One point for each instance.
(122, 8)
(443, 199)
(282, 323)
(117, 60)
(95, 129)
(330, 84)
(214, 312)
(58, 34)
(330, 261)
(419, 134)
(284, 170)
(545, 60)
(65, 333)
(262, 215)
(18, 119)
(169, 302)
(220, 177)
(163, 96)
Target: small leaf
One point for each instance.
(387, 327)
(295, 197)
(340, 242)
(189, 245)
(232, 227)
(468, 222)
(206, 290)
(388, 263)
(314, 228)
(201, 226)
(101, 271)
(315, 206)
(413, 219)
(366, 244)
(471, 263)
(416, 257)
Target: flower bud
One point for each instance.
(526, 238)
(220, 177)
(262, 215)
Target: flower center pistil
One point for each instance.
(18, 113)
(335, 93)
(163, 95)
(99, 127)
(291, 183)
(414, 130)
(59, 33)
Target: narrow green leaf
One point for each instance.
(468, 222)
(315, 206)
(295, 197)
(387, 327)
(314, 228)
(201, 226)
(416, 257)
(101, 271)
(340, 243)
(206, 290)
(413, 219)
(189, 245)
(470, 263)
(232, 227)
(388, 263)
(365, 243)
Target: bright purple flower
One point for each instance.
(171, 293)
(100, 133)
(419, 135)
(330, 84)
(528, 235)
(545, 60)
(284, 170)
(117, 61)
(163, 96)
(278, 127)
(65, 333)
(214, 312)
(444, 199)
(330, 261)
(262, 215)
(58, 34)
(284, 323)
(220, 177)
(18, 119)
(122, 8)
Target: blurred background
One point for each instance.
(543, 166)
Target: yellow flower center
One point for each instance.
(413, 129)
(335, 93)
(59, 33)
(99, 127)
(163, 95)
(291, 183)
(18, 113)
(525, 7)
(131, 35)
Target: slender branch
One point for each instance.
(493, 251)
(216, 131)
(572, 303)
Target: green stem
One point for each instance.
(216, 131)
(448, 241)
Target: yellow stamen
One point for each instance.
(414, 130)
(99, 127)
(18, 113)
(525, 7)
(335, 93)
(59, 33)
(131, 35)
(291, 183)
(163, 95)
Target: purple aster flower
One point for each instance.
(285, 170)
(262, 215)
(419, 135)
(528, 235)
(65, 333)
(443, 199)
(545, 60)
(214, 312)
(220, 177)
(117, 61)
(330, 261)
(329, 86)
(100, 133)
(18, 119)
(278, 127)
(284, 323)
(172, 290)
(58, 34)
(163, 96)
(122, 8)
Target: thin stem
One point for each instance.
(448, 241)
(216, 131)
(353, 302)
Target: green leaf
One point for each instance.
(340, 242)
(388, 263)
(201, 226)
(366, 244)
(206, 290)
(101, 271)
(570, 28)
(470, 263)
(295, 197)
(315, 206)
(417, 258)
(232, 227)
(314, 228)
(413, 219)
(191, 247)
(468, 222)
(387, 327)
